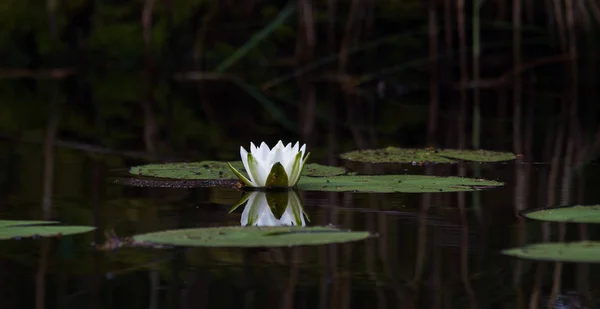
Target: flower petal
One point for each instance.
(262, 153)
(255, 171)
(244, 155)
(298, 168)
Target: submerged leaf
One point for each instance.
(581, 252)
(395, 183)
(252, 236)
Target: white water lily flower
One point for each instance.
(277, 167)
(258, 211)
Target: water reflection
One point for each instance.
(272, 209)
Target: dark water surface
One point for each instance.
(436, 250)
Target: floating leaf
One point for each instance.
(427, 155)
(16, 229)
(217, 170)
(582, 252)
(574, 214)
(395, 183)
(252, 236)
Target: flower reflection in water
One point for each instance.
(272, 209)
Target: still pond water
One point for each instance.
(432, 250)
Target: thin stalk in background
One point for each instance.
(332, 129)
(447, 68)
(464, 75)
(517, 82)
(305, 50)
(433, 76)
(476, 91)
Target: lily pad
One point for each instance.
(17, 229)
(426, 155)
(395, 183)
(574, 214)
(254, 236)
(581, 252)
(213, 170)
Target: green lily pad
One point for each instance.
(254, 236)
(427, 155)
(17, 229)
(581, 252)
(395, 183)
(574, 214)
(213, 170)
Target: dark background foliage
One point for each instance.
(191, 79)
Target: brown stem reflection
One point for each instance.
(346, 273)
(402, 297)
(288, 294)
(40, 277)
(464, 246)
(370, 261)
(537, 286)
(422, 233)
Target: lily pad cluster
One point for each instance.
(277, 218)
(317, 177)
(576, 251)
